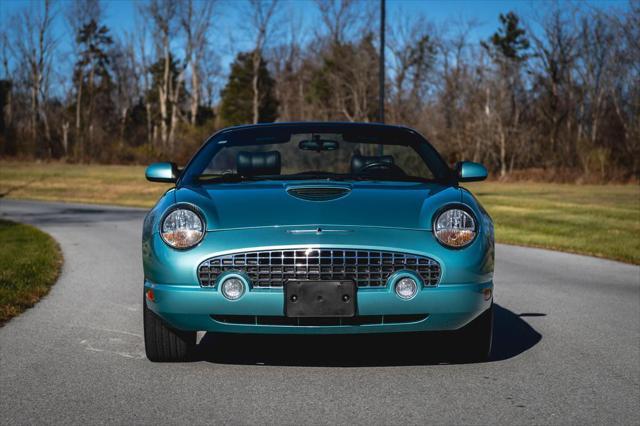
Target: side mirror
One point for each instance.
(162, 172)
(468, 171)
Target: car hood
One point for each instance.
(265, 204)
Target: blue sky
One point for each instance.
(120, 15)
(120, 12)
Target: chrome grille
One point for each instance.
(272, 268)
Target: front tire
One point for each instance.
(163, 343)
(473, 342)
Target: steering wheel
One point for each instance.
(379, 165)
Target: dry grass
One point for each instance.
(122, 185)
(599, 220)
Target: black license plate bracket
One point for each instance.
(319, 299)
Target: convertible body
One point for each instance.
(315, 252)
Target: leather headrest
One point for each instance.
(359, 161)
(258, 163)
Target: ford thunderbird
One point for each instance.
(317, 228)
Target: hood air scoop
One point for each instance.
(318, 193)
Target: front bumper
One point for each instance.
(455, 301)
(448, 307)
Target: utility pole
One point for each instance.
(381, 72)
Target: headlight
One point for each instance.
(182, 228)
(455, 228)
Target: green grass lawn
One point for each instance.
(599, 220)
(30, 262)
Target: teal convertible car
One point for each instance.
(317, 228)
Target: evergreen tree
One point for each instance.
(7, 131)
(94, 58)
(345, 83)
(509, 42)
(92, 77)
(237, 95)
(508, 49)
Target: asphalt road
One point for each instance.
(567, 349)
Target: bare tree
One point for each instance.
(262, 14)
(6, 85)
(127, 87)
(163, 15)
(594, 72)
(196, 21)
(339, 17)
(413, 44)
(170, 21)
(573, 104)
(508, 49)
(77, 14)
(348, 56)
(142, 60)
(459, 96)
(34, 47)
(211, 72)
(625, 89)
(287, 59)
(4, 51)
(556, 54)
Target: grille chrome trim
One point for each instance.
(271, 268)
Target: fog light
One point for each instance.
(232, 288)
(406, 288)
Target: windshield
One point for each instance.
(333, 152)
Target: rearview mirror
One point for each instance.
(318, 145)
(468, 171)
(162, 172)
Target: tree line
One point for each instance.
(554, 97)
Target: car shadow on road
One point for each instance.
(512, 336)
